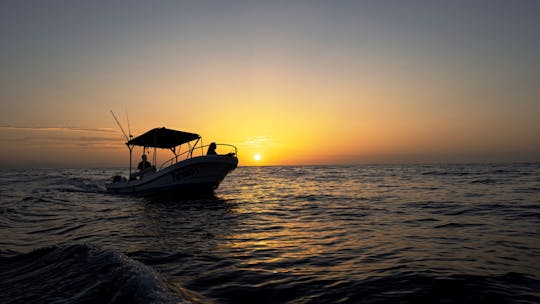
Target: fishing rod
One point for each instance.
(127, 138)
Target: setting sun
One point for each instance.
(257, 157)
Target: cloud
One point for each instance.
(61, 137)
(66, 142)
(258, 141)
(55, 128)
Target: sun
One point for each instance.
(257, 157)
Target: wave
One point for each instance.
(394, 286)
(486, 181)
(458, 225)
(478, 170)
(81, 273)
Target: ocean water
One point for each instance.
(314, 234)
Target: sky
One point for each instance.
(294, 82)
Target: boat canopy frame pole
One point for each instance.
(155, 143)
(130, 157)
(193, 148)
(173, 150)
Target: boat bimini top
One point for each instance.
(163, 138)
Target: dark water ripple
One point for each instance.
(321, 234)
(80, 274)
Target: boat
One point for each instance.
(198, 170)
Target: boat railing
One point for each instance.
(199, 151)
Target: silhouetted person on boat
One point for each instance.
(144, 164)
(211, 149)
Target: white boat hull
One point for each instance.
(194, 176)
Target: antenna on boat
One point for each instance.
(127, 138)
(129, 128)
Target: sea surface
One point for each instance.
(314, 234)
